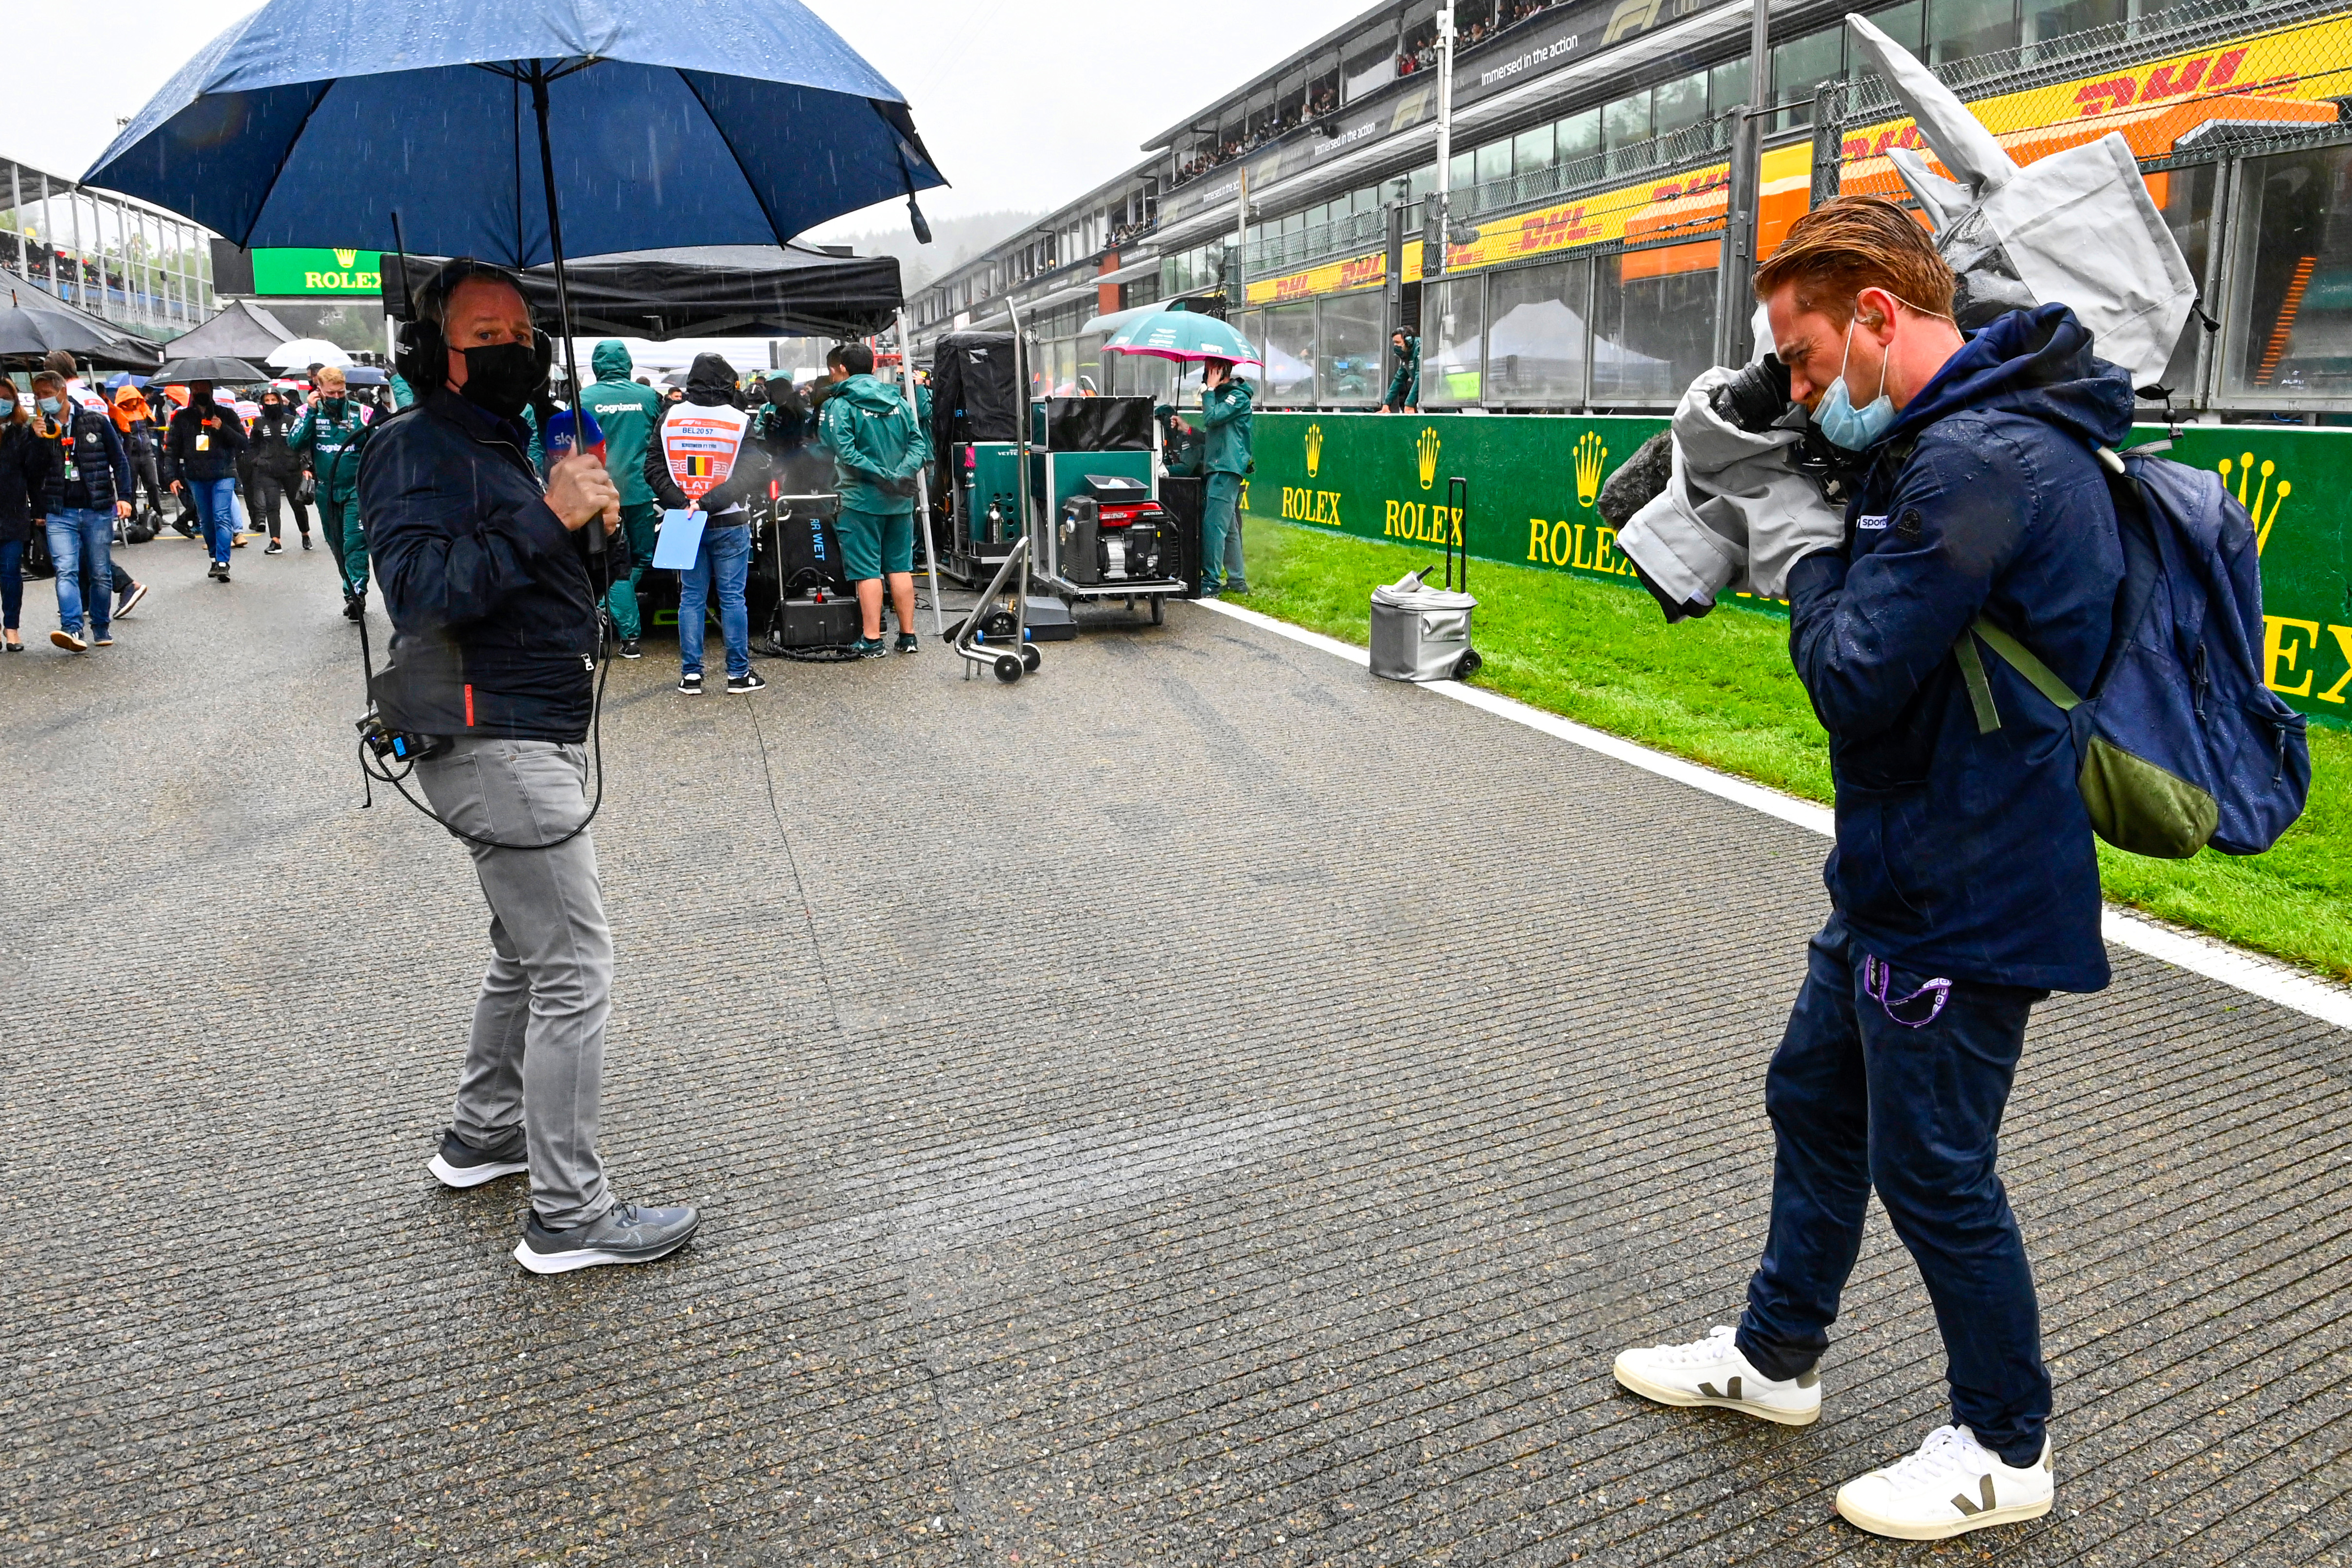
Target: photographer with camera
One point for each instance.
(1963, 888)
(495, 612)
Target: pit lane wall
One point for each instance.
(1533, 480)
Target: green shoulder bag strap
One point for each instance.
(2040, 675)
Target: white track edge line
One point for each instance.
(2254, 973)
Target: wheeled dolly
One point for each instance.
(1005, 652)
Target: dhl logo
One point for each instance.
(1868, 146)
(1551, 229)
(1696, 185)
(2174, 78)
(1363, 269)
(1298, 286)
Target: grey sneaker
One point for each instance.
(460, 1164)
(627, 1234)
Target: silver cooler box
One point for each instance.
(1420, 634)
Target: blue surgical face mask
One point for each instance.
(1843, 425)
(49, 405)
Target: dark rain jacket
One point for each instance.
(25, 463)
(226, 442)
(492, 604)
(1959, 855)
(710, 383)
(272, 454)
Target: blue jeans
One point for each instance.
(215, 504)
(1905, 1095)
(726, 554)
(12, 584)
(78, 536)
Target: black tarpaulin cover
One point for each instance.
(709, 291)
(974, 392)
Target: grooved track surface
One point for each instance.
(1200, 1105)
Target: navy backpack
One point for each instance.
(2181, 743)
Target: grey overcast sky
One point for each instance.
(1024, 103)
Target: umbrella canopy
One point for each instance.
(213, 368)
(711, 291)
(300, 354)
(717, 121)
(364, 375)
(240, 329)
(1184, 336)
(37, 329)
(33, 321)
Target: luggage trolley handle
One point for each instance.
(1455, 524)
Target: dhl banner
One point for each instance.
(2286, 77)
(1535, 480)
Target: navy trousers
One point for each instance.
(1897, 1080)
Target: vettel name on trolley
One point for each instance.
(494, 602)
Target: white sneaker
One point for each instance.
(1713, 1372)
(1953, 1484)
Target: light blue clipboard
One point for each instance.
(681, 540)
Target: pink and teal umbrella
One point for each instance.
(1184, 336)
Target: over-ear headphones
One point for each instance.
(420, 350)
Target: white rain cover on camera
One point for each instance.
(1736, 516)
(2078, 227)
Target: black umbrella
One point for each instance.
(212, 368)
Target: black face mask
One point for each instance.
(500, 377)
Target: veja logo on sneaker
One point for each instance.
(1984, 1489)
(1708, 1389)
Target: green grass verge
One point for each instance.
(1721, 692)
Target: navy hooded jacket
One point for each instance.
(493, 611)
(1959, 855)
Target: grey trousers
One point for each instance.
(535, 1066)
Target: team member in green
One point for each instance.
(1404, 385)
(629, 413)
(1225, 420)
(327, 440)
(870, 431)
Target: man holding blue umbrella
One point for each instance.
(495, 616)
(466, 114)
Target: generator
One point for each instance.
(1113, 532)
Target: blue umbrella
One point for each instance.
(425, 122)
(685, 121)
